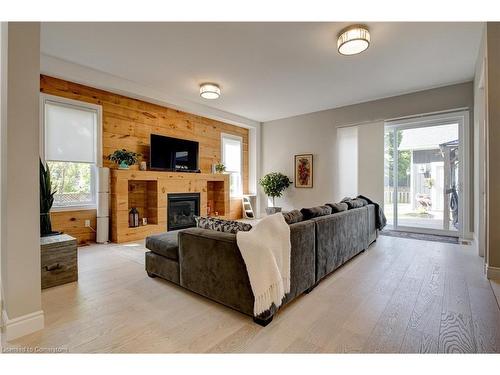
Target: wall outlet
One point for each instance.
(87, 223)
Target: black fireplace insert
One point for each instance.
(182, 208)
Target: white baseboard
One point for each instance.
(493, 272)
(23, 325)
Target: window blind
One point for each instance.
(70, 133)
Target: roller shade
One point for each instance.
(70, 133)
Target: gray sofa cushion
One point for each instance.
(318, 211)
(337, 207)
(339, 237)
(292, 217)
(159, 265)
(165, 244)
(220, 225)
(354, 202)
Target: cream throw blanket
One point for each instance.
(266, 252)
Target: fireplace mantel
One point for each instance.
(147, 191)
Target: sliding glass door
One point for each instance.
(424, 174)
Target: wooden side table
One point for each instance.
(59, 260)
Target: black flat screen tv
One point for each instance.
(173, 154)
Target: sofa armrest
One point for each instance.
(211, 265)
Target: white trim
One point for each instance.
(492, 272)
(443, 118)
(22, 325)
(74, 208)
(223, 157)
(427, 114)
(464, 151)
(45, 98)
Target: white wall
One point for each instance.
(360, 160)
(347, 162)
(371, 161)
(20, 242)
(316, 133)
(283, 139)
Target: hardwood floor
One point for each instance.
(401, 295)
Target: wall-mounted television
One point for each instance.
(173, 154)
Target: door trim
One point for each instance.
(462, 118)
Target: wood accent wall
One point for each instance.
(73, 223)
(128, 123)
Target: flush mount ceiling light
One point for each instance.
(353, 40)
(209, 91)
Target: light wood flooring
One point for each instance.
(400, 296)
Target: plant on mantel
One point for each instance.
(274, 184)
(220, 168)
(124, 159)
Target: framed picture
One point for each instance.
(304, 171)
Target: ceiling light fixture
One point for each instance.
(353, 40)
(209, 91)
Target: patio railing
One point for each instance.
(403, 195)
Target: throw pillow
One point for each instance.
(317, 211)
(293, 216)
(221, 225)
(337, 207)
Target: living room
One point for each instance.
(250, 187)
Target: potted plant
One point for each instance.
(46, 201)
(124, 158)
(220, 168)
(274, 185)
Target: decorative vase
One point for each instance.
(123, 165)
(272, 210)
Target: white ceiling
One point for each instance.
(270, 70)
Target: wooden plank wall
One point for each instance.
(128, 123)
(73, 223)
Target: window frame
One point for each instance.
(71, 103)
(223, 157)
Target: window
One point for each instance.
(232, 151)
(71, 145)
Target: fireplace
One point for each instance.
(181, 210)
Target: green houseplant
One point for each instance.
(274, 184)
(46, 201)
(220, 168)
(124, 158)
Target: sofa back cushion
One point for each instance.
(220, 225)
(292, 217)
(317, 211)
(337, 207)
(354, 202)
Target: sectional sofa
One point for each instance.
(209, 263)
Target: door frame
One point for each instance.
(462, 118)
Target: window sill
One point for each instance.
(74, 208)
